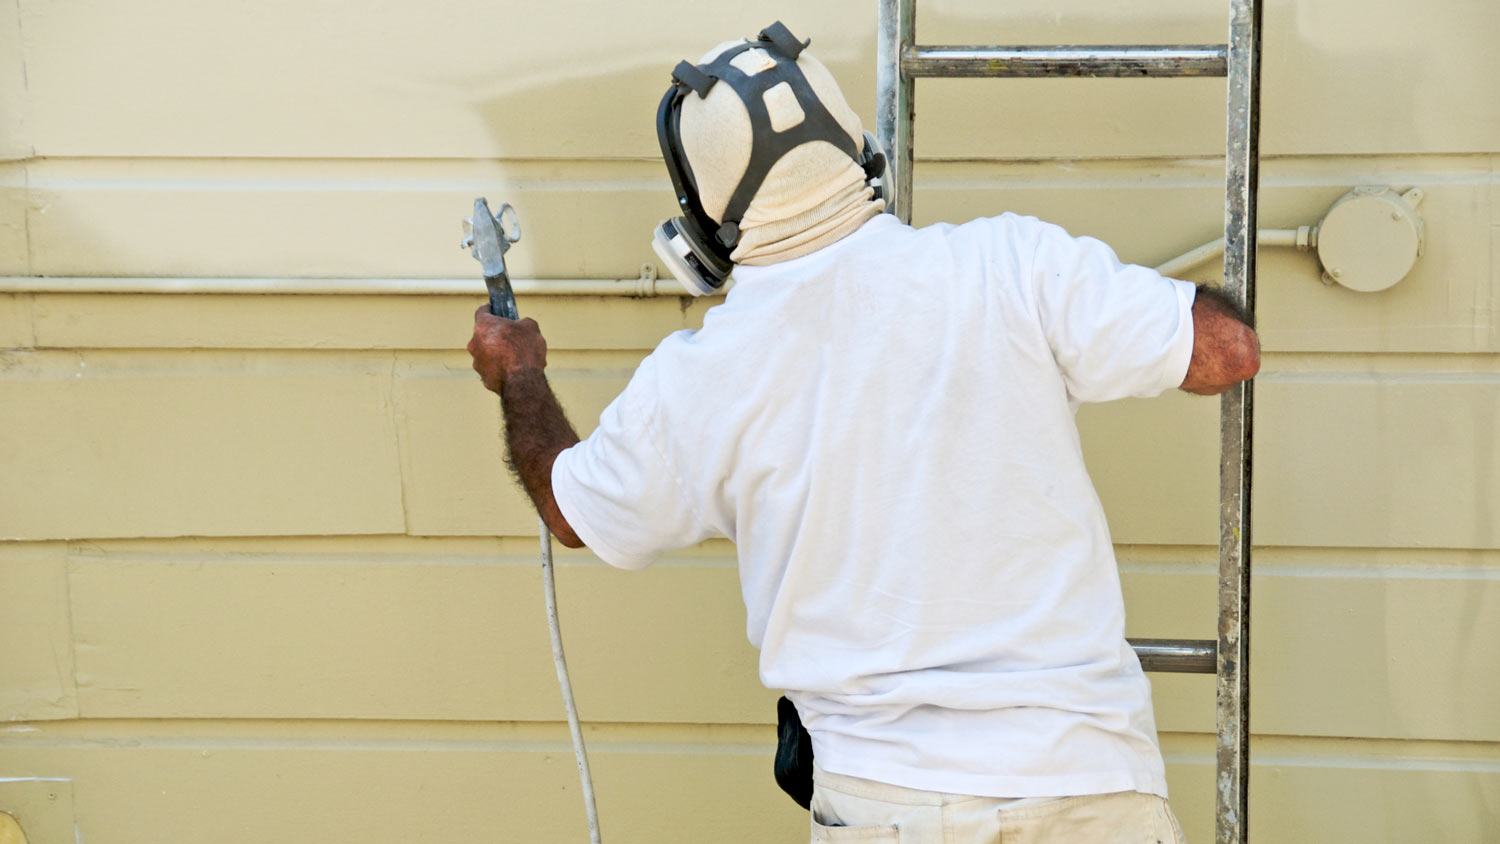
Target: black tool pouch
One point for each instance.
(794, 754)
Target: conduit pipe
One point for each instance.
(646, 285)
(1300, 237)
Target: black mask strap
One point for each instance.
(767, 145)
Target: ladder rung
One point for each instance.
(1177, 656)
(1106, 61)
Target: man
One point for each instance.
(882, 419)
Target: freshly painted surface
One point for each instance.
(263, 574)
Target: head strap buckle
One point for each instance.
(783, 40)
(686, 73)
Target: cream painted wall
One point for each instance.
(263, 576)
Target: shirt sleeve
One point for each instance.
(618, 489)
(1116, 330)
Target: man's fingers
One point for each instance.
(482, 315)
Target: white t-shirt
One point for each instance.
(885, 428)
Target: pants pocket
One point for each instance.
(887, 833)
(1171, 832)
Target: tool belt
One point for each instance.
(794, 754)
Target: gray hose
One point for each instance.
(549, 587)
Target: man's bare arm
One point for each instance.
(511, 359)
(1226, 351)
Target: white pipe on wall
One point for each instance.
(646, 285)
(1194, 258)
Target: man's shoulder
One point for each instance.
(1006, 224)
(1006, 231)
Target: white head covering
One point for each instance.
(815, 195)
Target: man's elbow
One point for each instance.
(1246, 355)
(558, 524)
(1223, 358)
(568, 538)
(1239, 361)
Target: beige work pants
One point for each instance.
(852, 809)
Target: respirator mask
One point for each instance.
(695, 248)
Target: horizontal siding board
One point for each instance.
(1412, 658)
(191, 789)
(470, 80)
(1341, 460)
(163, 443)
(1154, 463)
(36, 661)
(401, 640)
(1489, 299)
(15, 251)
(1373, 460)
(347, 640)
(1401, 658)
(229, 795)
(454, 479)
(1303, 796)
(399, 81)
(1495, 189)
(1338, 656)
(1355, 804)
(322, 231)
(15, 321)
(168, 445)
(13, 95)
(453, 474)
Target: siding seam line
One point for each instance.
(397, 429)
(26, 211)
(21, 39)
(30, 150)
(72, 626)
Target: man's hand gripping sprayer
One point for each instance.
(487, 236)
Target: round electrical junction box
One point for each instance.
(1370, 238)
(10, 830)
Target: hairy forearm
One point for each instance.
(536, 431)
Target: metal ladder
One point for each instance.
(900, 61)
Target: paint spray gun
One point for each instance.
(487, 237)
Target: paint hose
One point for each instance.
(549, 587)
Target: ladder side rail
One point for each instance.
(895, 90)
(1232, 692)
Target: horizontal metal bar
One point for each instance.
(1200, 60)
(1176, 656)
